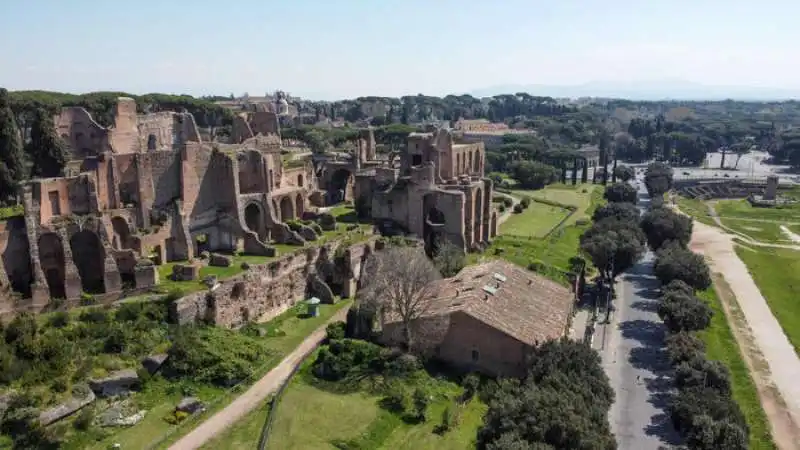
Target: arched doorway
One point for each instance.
(51, 257)
(151, 142)
(89, 257)
(299, 205)
(122, 233)
(253, 218)
(287, 209)
(300, 180)
(337, 188)
(477, 224)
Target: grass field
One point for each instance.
(283, 334)
(309, 418)
(721, 346)
(695, 208)
(561, 245)
(537, 220)
(758, 231)
(776, 271)
(742, 208)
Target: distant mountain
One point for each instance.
(645, 90)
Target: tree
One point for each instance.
(12, 162)
(399, 284)
(674, 262)
(658, 179)
(46, 148)
(662, 225)
(683, 347)
(533, 174)
(700, 373)
(621, 192)
(624, 173)
(613, 246)
(681, 312)
(449, 259)
(622, 211)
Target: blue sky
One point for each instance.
(346, 48)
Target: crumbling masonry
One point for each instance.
(149, 190)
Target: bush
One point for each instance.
(58, 319)
(94, 315)
(518, 208)
(335, 330)
(421, 402)
(501, 208)
(471, 384)
(87, 299)
(85, 418)
(507, 202)
(396, 399)
(402, 365)
(525, 202)
(347, 357)
(294, 225)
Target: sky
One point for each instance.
(330, 49)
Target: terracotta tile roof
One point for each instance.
(525, 306)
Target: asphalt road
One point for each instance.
(632, 348)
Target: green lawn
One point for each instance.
(243, 434)
(759, 231)
(721, 346)
(742, 208)
(695, 208)
(537, 220)
(581, 196)
(309, 418)
(776, 271)
(283, 334)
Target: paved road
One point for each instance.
(634, 359)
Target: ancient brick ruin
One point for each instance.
(150, 190)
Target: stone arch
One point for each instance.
(151, 142)
(299, 205)
(89, 256)
(433, 227)
(300, 180)
(287, 209)
(122, 233)
(477, 217)
(337, 187)
(253, 218)
(51, 258)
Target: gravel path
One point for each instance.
(257, 393)
(783, 362)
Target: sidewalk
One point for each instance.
(257, 393)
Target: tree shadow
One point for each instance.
(645, 306)
(647, 332)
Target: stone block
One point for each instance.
(120, 382)
(320, 289)
(218, 260)
(153, 363)
(65, 409)
(185, 272)
(308, 233)
(145, 275)
(190, 405)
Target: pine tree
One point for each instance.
(12, 161)
(46, 148)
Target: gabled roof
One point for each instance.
(509, 298)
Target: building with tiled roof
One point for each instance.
(495, 312)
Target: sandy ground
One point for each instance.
(781, 366)
(257, 393)
(792, 236)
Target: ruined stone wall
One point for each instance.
(240, 130)
(84, 136)
(208, 182)
(267, 290)
(165, 173)
(15, 254)
(156, 131)
(125, 134)
(127, 179)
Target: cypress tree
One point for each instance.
(46, 148)
(12, 161)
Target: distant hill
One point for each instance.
(645, 90)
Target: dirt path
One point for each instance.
(781, 366)
(257, 393)
(794, 237)
(507, 213)
(785, 432)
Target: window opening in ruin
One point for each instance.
(151, 142)
(475, 356)
(287, 209)
(51, 258)
(416, 160)
(89, 256)
(201, 243)
(300, 180)
(55, 204)
(252, 218)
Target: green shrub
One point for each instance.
(85, 418)
(294, 225)
(397, 399)
(525, 201)
(345, 357)
(87, 299)
(501, 208)
(507, 202)
(335, 330)
(94, 315)
(58, 319)
(518, 208)
(471, 384)
(421, 402)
